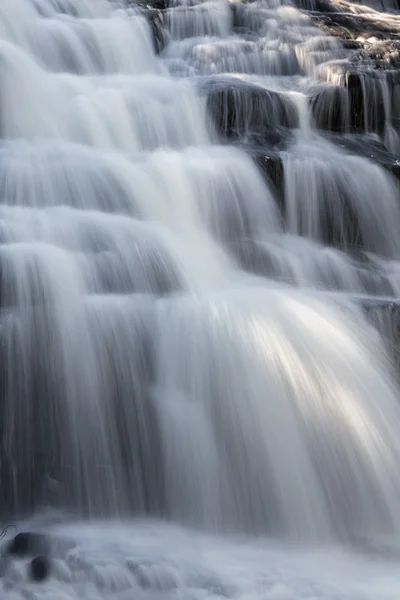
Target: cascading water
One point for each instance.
(185, 356)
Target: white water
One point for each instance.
(170, 344)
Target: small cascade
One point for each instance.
(331, 197)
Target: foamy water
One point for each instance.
(108, 560)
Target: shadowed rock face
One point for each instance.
(384, 314)
(28, 544)
(239, 109)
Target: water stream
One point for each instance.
(193, 400)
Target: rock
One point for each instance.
(270, 164)
(155, 4)
(154, 18)
(39, 569)
(368, 146)
(384, 315)
(320, 6)
(369, 100)
(27, 544)
(340, 223)
(330, 108)
(241, 109)
(267, 156)
(354, 82)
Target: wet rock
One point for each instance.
(237, 10)
(241, 109)
(330, 108)
(155, 20)
(354, 84)
(359, 25)
(267, 156)
(270, 164)
(365, 107)
(384, 315)
(152, 4)
(320, 6)
(342, 22)
(350, 44)
(27, 544)
(382, 5)
(369, 146)
(39, 569)
(339, 222)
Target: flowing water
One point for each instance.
(194, 401)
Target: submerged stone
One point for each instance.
(39, 569)
(28, 543)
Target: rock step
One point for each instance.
(360, 101)
(322, 176)
(269, 158)
(240, 109)
(359, 98)
(384, 315)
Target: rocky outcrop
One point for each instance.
(39, 569)
(239, 109)
(28, 544)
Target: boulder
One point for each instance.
(28, 544)
(240, 109)
(330, 108)
(356, 100)
(39, 569)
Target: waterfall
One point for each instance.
(183, 253)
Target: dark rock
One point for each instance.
(340, 226)
(155, 20)
(320, 6)
(271, 166)
(339, 22)
(249, 20)
(368, 146)
(267, 156)
(241, 109)
(351, 44)
(346, 20)
(152, 4)
(27, 544)
(364, 108)
(384, 314)
(158, 4)
(330, 108)
(237, 10)
(39, 569)
(354, 85)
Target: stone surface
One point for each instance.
(28, 544)
(39, 569)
